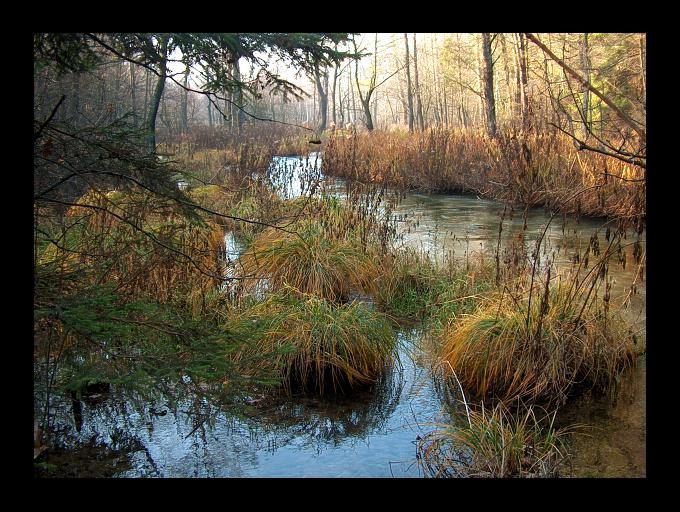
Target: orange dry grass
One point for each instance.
(313, 342)
(495, 353)
(534, 170)
(142, 246)
(309, 262)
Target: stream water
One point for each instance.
(372, 433)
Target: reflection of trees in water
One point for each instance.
(449, 394)
(613, 435)
(309, 420)
(294, 176)
(95, 441)
(199, 437)
(624, 402)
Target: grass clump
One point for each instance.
(315, 343)
(413, 287)
(309, 262)
(495, 443)
(509, 349)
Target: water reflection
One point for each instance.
(368, 433)
(292, 177)
(614, 443)
(456, 226)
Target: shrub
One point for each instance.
(142, 245)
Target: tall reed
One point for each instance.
(533, 170)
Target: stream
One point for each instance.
(373, 433)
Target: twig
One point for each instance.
(36, 135)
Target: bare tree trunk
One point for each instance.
(409, 90)
(509, 111)
(145, 111)
(354, 104)
(227, 109)
(585, 69)
(523, 81)
(116, 100)
(441, 99)
(158, 93)
(643, 69)
(419, 101)
(185, 100)
(489, 100)
(350, 91)
(446, 108)
(323, 98)
(133, 68)
(335, 82)
(341, 107)
(366, 100)
(374, 120)
(404, 104)
(314, 117)
(239, 97)
(461, 107)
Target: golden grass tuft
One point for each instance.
(313, 342)
(309, 262)
(411, 286)
(496, 354)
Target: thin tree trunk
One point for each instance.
(419, 100)
(335, 82)
(350, 91)
(409, 90)
(145, 110)
(185, 100)
(489, 99)
(523, 82)
(158, 93)
(132, 93)
(508, 83)
(643, 69)
(366, 101)
(323, 99)
(239, 97)
(404, 105)
(585, 69)
(354, 104)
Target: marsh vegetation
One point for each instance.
(289, 292)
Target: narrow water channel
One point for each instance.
(373, 433)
